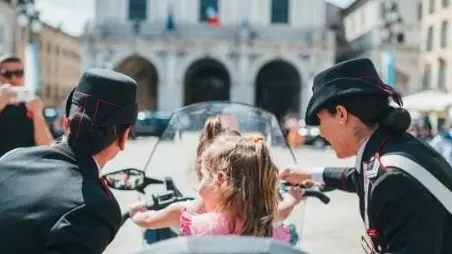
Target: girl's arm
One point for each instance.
(167, 217)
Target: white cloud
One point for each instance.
(70, 14)
(73, 14)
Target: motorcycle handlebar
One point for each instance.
(312, 192)
(317, 194)
(308, 192)
(126, 215)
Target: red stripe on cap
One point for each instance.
(104, 101)
(95, 113)
(396, 96)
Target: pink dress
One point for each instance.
(216, 224)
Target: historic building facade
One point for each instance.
(364, 37)
(436, 46)
(7, 26)
(60, 56)
(261, 52)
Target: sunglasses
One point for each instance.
(10, 74)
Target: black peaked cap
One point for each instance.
(353, 77)
(106, 97)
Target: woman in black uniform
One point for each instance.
(404, 186)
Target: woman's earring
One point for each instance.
(340, 122)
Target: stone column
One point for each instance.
(306, 92)
(170, 91)
(163, 85)
(242, 88)
(242, 92)
(176, 91)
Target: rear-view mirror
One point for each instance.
(125, 179)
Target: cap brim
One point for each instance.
(334, 90)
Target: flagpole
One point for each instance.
(28, 17)
(170, 24)
(391, 28)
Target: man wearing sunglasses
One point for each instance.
(22, 124)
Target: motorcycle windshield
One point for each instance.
(174, 154)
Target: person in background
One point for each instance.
(291, 127)
(22, 124)
(442, 142)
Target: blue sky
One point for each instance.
(73, 14)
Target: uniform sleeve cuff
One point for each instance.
(317, 174)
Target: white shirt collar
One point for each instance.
(359, 156)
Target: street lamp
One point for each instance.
(28, 17)
(107, 59)
(391, 31)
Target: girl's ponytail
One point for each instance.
(263, 210)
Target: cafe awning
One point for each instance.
(428, 101)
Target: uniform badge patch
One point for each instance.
(373, 168)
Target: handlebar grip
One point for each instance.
(317, 194)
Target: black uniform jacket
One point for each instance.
(411, 219)
(52, 201)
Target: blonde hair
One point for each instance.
(251, 180)
(212, 129)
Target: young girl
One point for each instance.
(213, 128)
(238, 189)
(171, 215)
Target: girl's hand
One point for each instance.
(290, 198)
(138, 207)
(293, 195)
(297, 194)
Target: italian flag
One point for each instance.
(212, 17)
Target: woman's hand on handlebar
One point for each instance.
(295, 176)
(306, 180)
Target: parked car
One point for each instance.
(311, 136)
(150, 124)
